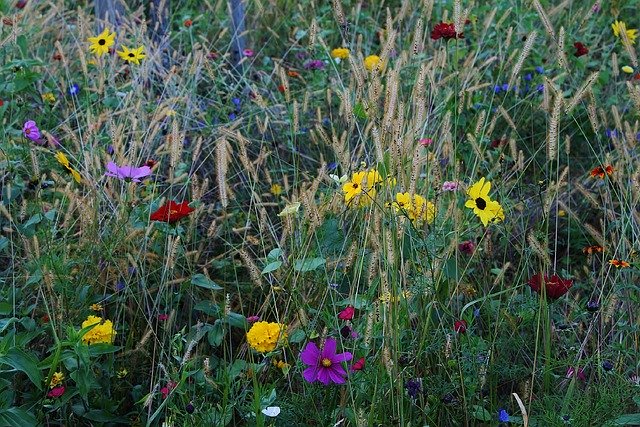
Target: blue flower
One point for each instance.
(528, 77)
(540, 69)
(74, 89)
(503, 416)
(332, 166)
(236, 101)
(497, 89)
(611, 133)
(540, 88)
(232, 116)
(505, 87)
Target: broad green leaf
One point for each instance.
(274, 254)
(309, 264)
(208, 307)
(272, 266)
(204, 282)
(19, 360)
(481, 414)
(16, 417)
(627, 420)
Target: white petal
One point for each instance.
(271, 411)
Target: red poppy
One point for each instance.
(580, 49)
(171, 212)
(359, 365)
(554, 286)
(460, 326)
(446, 31)
(347, 313)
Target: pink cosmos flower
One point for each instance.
(449, 186)
(248, 53)
(56, 392)
(324, 364)
(30, 130)
(425, 142)
(127, 173)
(347, 313)
(253, 319)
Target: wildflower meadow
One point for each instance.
(320, 213)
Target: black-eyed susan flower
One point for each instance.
(416, 208)
(627, 69)
(62, 159)
(101, 43)
(618, 263)
(361, 188)
(619, 27)
(486, 209)
(132, 55)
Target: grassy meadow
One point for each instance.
(358, 213)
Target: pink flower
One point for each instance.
(127, 173)
(30, 130)
(248, 53)
(467, 247)
(324, 364)
(167, 389)
(347, 313)
(580, 373)
(425, 142)
(449, 186)
(359, 365)
(56, 392)
(253, 319)
(162, 317)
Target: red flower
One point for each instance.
(347, 313)
(446, 31)
(282, 88)
(171, 212)
(21, 4)
(56, 392)
(188, 22)
(167, 389)
(580, 49)
(599, 171)
(163, 317)
(555, 286)
(359, 365)
(467, 247)
(460, 326)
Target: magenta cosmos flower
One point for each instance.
(127, 173)
(30, 130)
(324, 364)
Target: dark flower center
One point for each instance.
(326, 362)
(480, 203)
(355, 185)
(102, 42)
(131, 55)
(27, 131)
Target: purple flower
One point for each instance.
(314, 64)
(31, 131)
(413, 387)
(324, 364)
(503, 416)
(127, 173)
(449, 186)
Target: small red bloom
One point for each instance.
(167, 389)
(56, 392)
(600, 171)
(446, 31)
(282, 88)
(580, 49)
(555, 287)
(460, 326)
(359, 365)
(347, 313)
(21, 4)
(1, 102)
(171, 212)
(188, 22)
(467, 247)
(592, 249)
(292, 73)
(57, 56)
(618, 263)
(150, 163)
(163, 317)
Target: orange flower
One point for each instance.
(592, 249)
(599, 171)
(618, 263)
(292, 73)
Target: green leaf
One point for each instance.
(19, 360)
(208, 307)
(35, 277)
(16, 417)
(359, 111)
(309, 264)
(272, 266)
(4, 243)
(481, 414)
(297, 337)
(274, 254)
(216, 334)
(627, 420)
(204, 282)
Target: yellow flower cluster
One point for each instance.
(620, 27)
(101, 44)
(56, 379)
(373, 62)
(340, 52)
(102, 332)
(418, 209)
(362, 188)
(263, 337)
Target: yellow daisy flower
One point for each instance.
(619, 27)
(101, 43)
(486, 209)
(56, 379)
(132, 55)
(62, 159)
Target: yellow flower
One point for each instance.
(263, 337)
(62, 159)
(49, 97)
(372, 62)
(281, 364)
(122, 373)
(133, 55)
(96, 307)
(101, 43)
(276, 189)
(340, 52)
(56, 379)
(627, 69)
(362, 187)
(102, 331)
(482, 205)
(619, 27)
(418, 209)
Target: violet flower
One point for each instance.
(127, 173)
(449, 186)
(314, 64)
(30, 130)
(324, 364)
